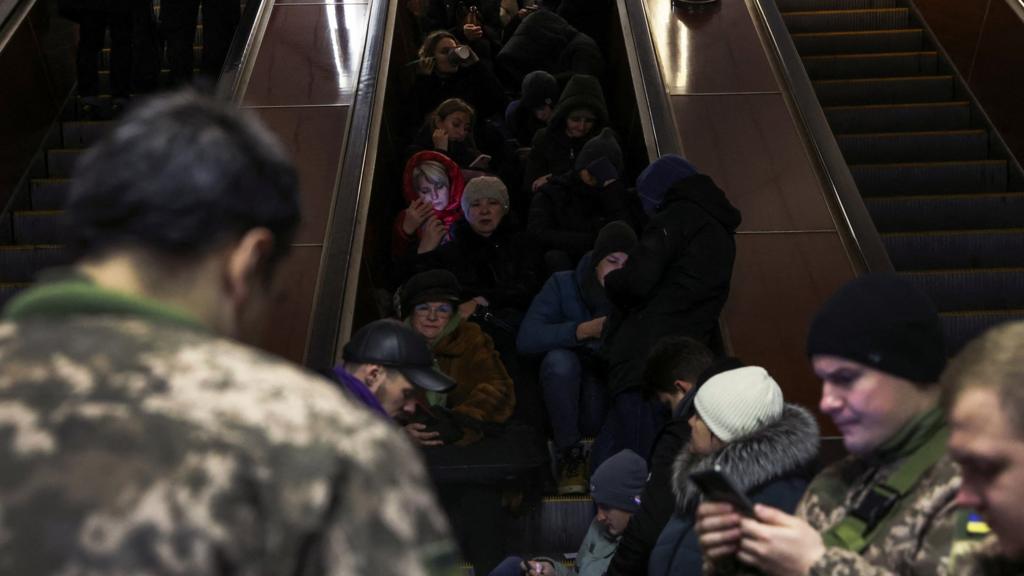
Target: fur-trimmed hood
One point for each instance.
(788, 446)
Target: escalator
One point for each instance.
(942, 190)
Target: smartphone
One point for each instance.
(718, 487)
(481, 162)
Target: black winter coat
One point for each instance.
(463, 153)
(502, 268)
(566, 214)
(475, 84)
(545, 41)
(676, 279)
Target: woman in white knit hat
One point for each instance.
(742, 426)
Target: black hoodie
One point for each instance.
(676, 279)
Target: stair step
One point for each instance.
(902, 117)
(40, 227)
(847, 20)
(795, 5)
(949, 212)
(948, 249)
(197, 54)
(859, 42)
(972, 290)
(82, 134)
(906, 89)
(914, 146)
(103, 85)
(23, 263)
(49, 193)
(930, 177)
(961, 327)
(60, 162)
(881, 65)
(558, 525)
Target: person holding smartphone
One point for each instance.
(890, 506)
(742, 428)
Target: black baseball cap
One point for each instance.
(394, 345)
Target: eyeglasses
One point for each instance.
(426, 309)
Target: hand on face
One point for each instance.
(415, 215)
(440, 138)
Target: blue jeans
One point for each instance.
(574, 395)
(508, 567)
(631, 423)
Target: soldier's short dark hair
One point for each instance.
(179, 174)
(671, 359)
(992, 360)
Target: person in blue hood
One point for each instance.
(675, 283)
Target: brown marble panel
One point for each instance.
(314, 137)
(779, 281)
(998, 80)
(288, 324)
(957, 25)
(750, 146)
(714, 51)
(27, 106)
(309, 55)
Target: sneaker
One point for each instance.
(572, 472)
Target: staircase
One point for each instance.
(31, 233)
(944, 194)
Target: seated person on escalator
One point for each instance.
(483, 397)
(615, 487)
(449, 130)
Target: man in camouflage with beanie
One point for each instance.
(887, 508)
(137, 436)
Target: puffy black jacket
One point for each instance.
(675, 281)
(567, 214)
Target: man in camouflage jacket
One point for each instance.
(135, 438)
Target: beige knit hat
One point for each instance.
(739, 402)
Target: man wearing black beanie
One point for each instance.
(888, 508)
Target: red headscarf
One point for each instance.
(453, 210)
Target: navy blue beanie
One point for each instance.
(883, 322)
(619, 480)
(658, 177)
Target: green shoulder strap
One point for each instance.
(872, 513)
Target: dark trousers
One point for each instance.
(631, 423)
(574, 395)
(178, 22)
(92, 26)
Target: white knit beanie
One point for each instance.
(738, 402)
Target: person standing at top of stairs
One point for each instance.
(94, 18)
(178, 24)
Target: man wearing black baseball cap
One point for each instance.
(381, 364)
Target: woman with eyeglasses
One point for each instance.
(483, 390)
(580, 115)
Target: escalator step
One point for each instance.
(949, 212)
(104, 79)
(901, 117)
(847, 20)
(965, 290)
(914, 146)
(23, 263)
(930, 177)
(80, 134)
(60, 162)
(859, 42)
(948, 250)
(793, 5)
(837, 66)
(557, 525)
(907, 89)
(39, 227)
(197, 53)
(49, 193)
(962, 327)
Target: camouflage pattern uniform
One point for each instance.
(141, 444)
(917, 541)
(982, 558)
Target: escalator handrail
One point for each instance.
(855, 224)
(245, 45)
(12, 12)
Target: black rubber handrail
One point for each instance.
(865, 246)
(244, 47)
(334, 302)
(7, 9)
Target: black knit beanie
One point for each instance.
(616, 236)
(430, 286)
(604, 145)
(884, 322)
(619, 481)
(539, 88)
